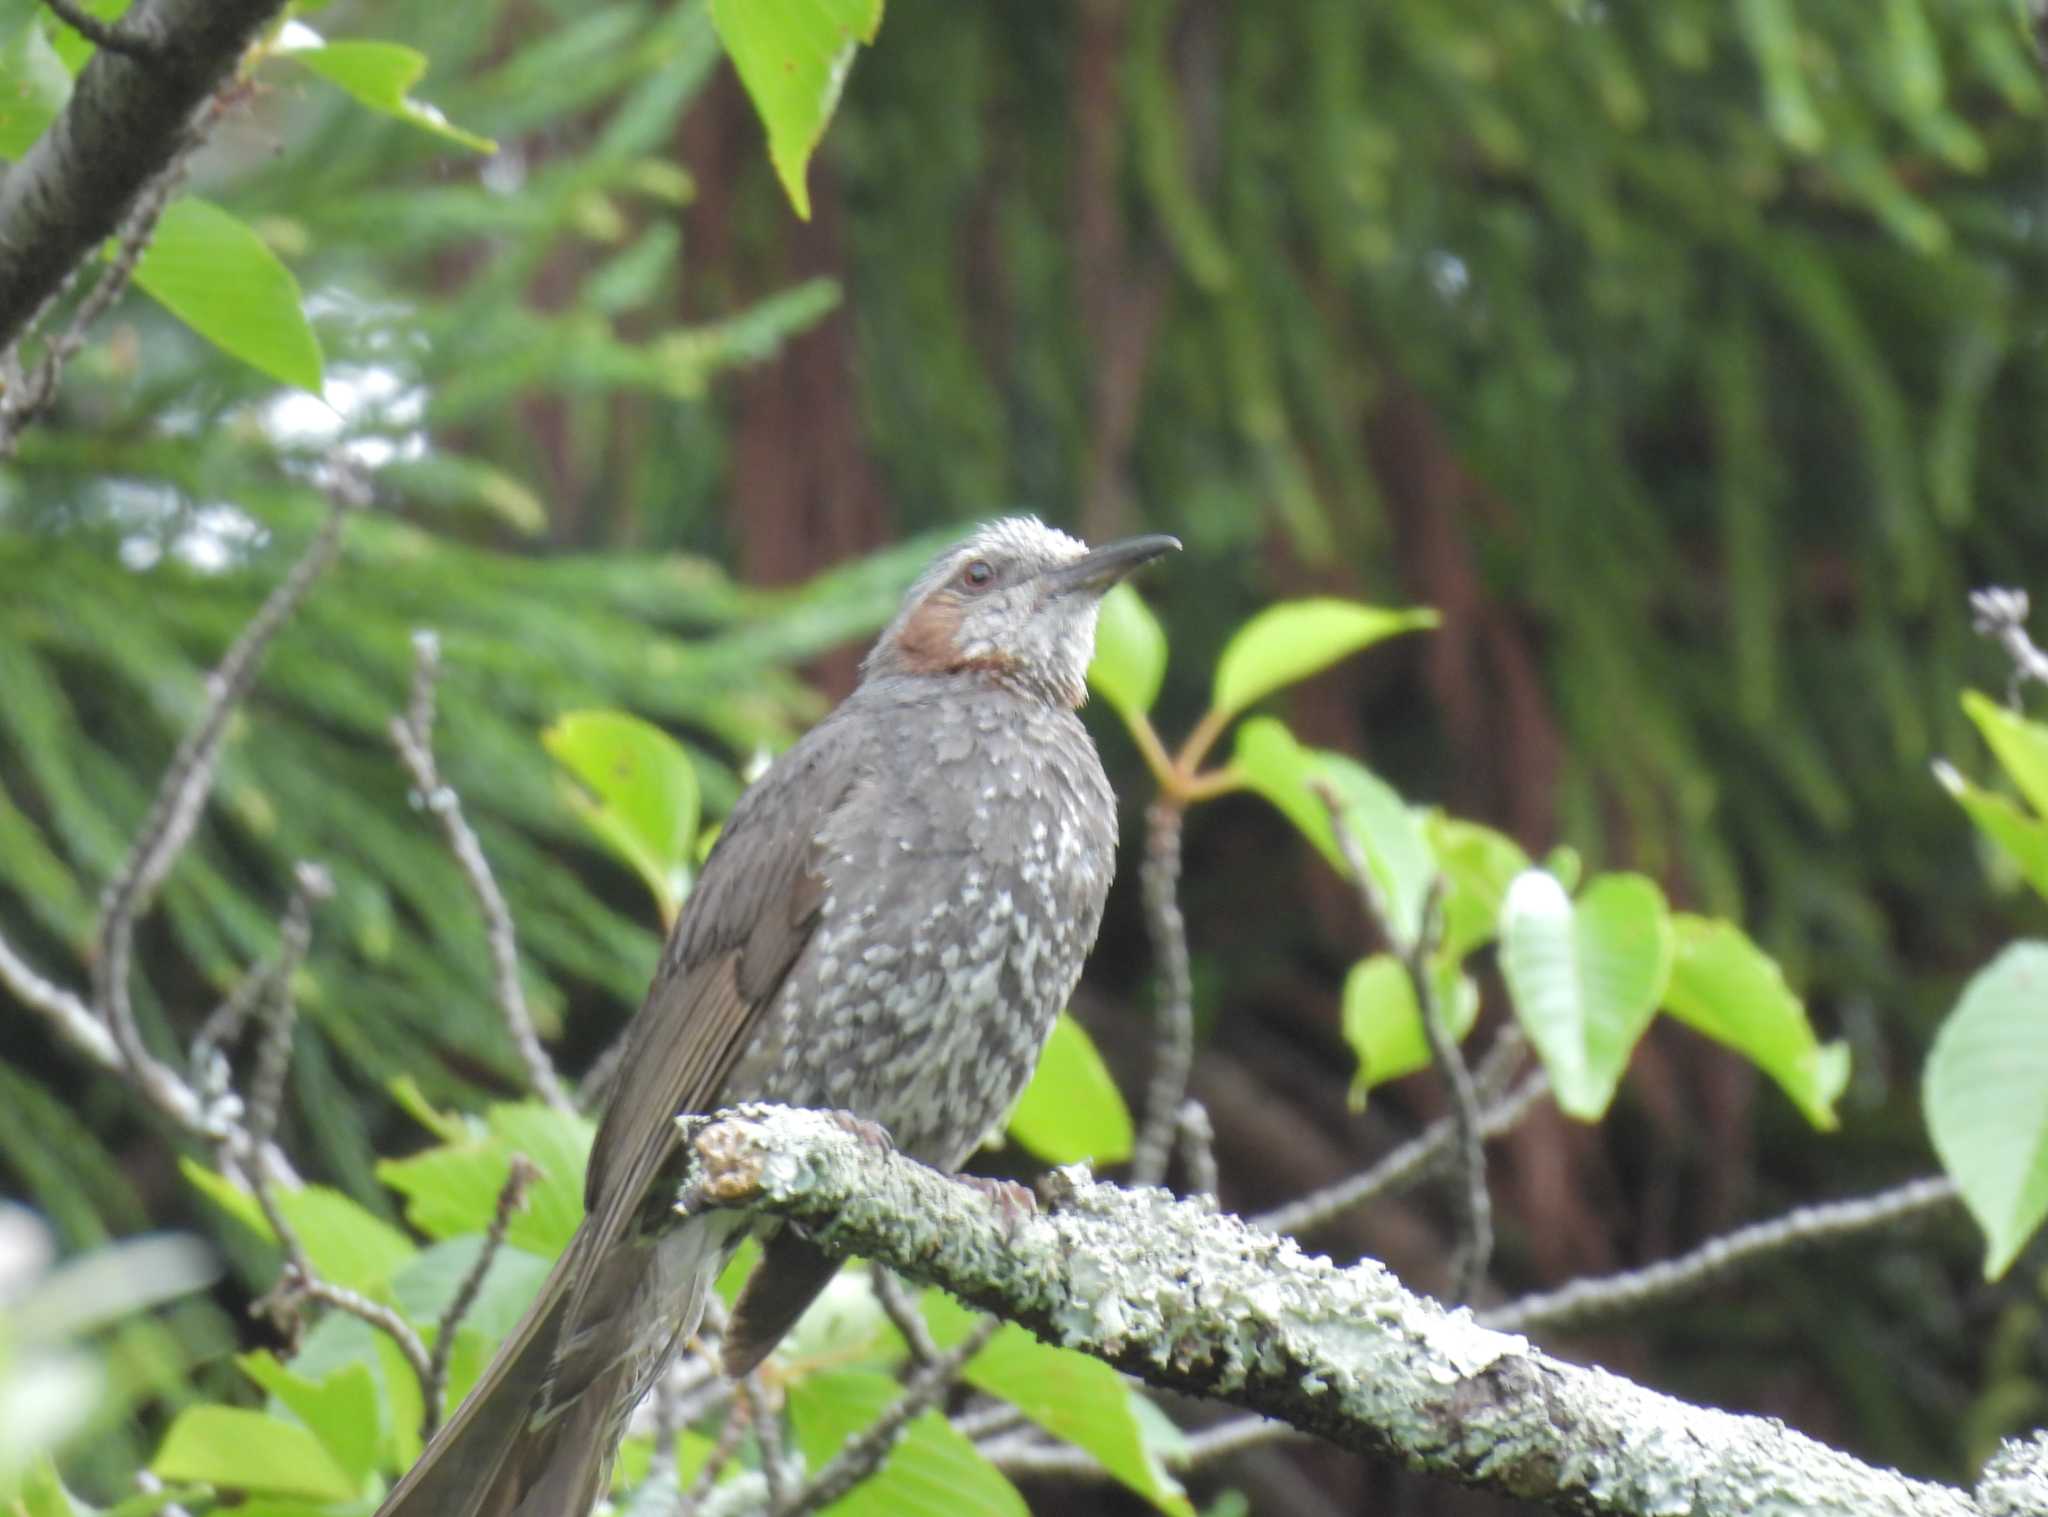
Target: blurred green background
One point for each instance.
(1691, 358)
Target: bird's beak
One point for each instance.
(1095, 571)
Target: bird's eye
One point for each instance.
(978, 575)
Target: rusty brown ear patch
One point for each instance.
(930, 640)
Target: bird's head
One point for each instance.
(1015, 602)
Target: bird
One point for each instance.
(890, 922)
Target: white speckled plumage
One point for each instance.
(893, 917)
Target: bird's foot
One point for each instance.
(872, 1134)
(1014, 1203)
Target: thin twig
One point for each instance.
(31, 395)
(1173, 1053)
(861, 1456)
(900, 1306)
(1475, 1248)
(767, 1426)
(413, 735)
(987, 1420)
(2001, 614)
(1023, 1456)
(279, 1009)
(1410, 1161)
(511, 1196)
(728, 1444)
(175, 811)
(1805, 1226)
(1197, 1147)
(113, 38)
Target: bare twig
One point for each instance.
(175, 811)
(728, 1444)
(1023, 1456)
(99, 34)
(1173, 1050)
(413, 735)
(1198, 1147)
(1805, 1226)
(511, 1196)
(2001, 614)
(28, 395)
(766, 1422)
(1411, 1160)
(901, 1307)
(987, 1420)
(1475, 1249)
(280, 1010)
(861, 1456)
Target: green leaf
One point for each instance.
(1070, 1395)
(933, 1471)
(1586, 978)
(2020, 837)
(348, 1245)
(341, 1410)
(380, 75)
(1072, 1111)
(637, 791)
(42, 1493)
(1383, 1024)
(208, 269)
(1725, 986)
(425, 1288)
(1987, 1099)
(1130, 654)
(2020, 745)
(1478, 864)
(793, 56)
(453, 1189)
(1294, 639)
(1396, 853)
(34, 84)
(250, 1451)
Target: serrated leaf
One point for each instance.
(1295, 639)
(250, 1451)
(1388, 833)
(2022, 838)
(208, 269)
(1725, 986)
(453, 1188)
(1072, 1396)
(793, 56)
(349, 1246)
(1586, 977)
(1130, 654)
(1986, 1094)
(636, 789)
(1383, 1023)
(425, 1288)
(933, 1471)
(341, 1410)
(1072, 1110)
(2021, 746)
(380, 75)
(1478, 864)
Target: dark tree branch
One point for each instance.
(97, 32)
(127, 118)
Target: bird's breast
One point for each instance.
(965, 880)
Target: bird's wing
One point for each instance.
(754, 908)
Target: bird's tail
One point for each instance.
(536, 1437)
